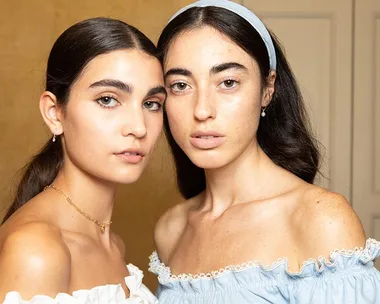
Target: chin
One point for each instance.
(123, 177)
(208, 162)
(130, 178)
(126, 180)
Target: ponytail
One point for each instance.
(39, 172)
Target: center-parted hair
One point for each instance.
(70, 54)
(284, 133)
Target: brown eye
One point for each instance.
(229, 83)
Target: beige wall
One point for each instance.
(29, 28)
(27, 32)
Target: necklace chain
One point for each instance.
(102, 225)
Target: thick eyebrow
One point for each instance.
(178, 71)
(214, 70)
(157, 90)
(112, 83)
(226, 66)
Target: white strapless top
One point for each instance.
(106, 294)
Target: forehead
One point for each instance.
(203, 48)
(128, 65)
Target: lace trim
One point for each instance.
(165, 276)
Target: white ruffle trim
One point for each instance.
(107, 294)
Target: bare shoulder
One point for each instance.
(170, 227)
(34, 260)
(327, 222)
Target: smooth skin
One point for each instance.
(48, 247)
(251, 208)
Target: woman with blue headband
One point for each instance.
(253, 228)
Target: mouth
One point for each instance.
(131, 156)
(206, 136)
(131, 153)
(206, 140)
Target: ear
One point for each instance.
(269, 89)
(50, 112)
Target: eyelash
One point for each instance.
(236, 83)
(106, 96)
(178, 91)
(159, 105)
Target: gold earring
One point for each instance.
(263, 112)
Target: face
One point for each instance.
(114, 115)
(214, 99)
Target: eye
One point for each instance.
(107, 102)
(152, 106)
(229, 83)
(179, 87)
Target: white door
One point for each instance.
(317, 37)
(366, 141)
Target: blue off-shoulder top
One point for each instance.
(347, 277)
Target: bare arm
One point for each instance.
(34, 260)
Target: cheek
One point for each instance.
(174, 108)
(246, 103)
(154, 123)
(87, 128)
(85, 131)
(178, 121)
(247, 122)
(241, 117)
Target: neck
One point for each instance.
(95, 197)
(245, 179)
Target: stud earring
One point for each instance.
(263, 112)
(54, 138)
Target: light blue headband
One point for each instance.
(245, 14)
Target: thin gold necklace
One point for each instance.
(102, 225)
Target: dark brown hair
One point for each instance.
(284, 133)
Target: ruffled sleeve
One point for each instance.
(106, 294)
(139, 293)
(346, 277)
(15, 298)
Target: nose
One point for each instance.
(134, 122)
(204, 107)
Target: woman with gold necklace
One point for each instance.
(103, 104)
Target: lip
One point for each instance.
(132, 156)
(206, 140)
